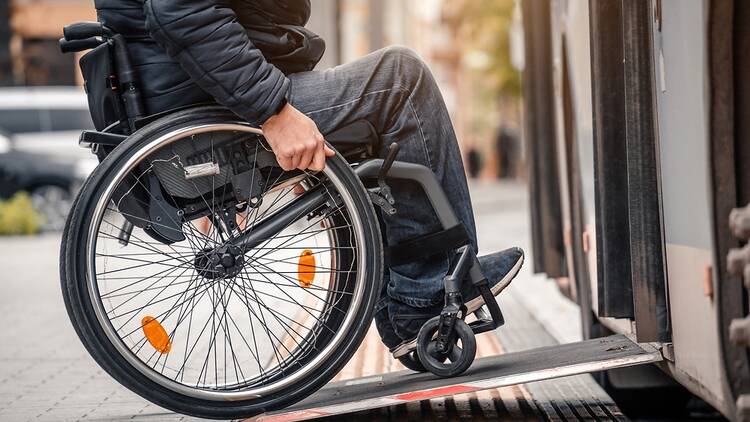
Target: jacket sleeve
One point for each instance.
(205, 37)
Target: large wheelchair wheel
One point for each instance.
(209, 281)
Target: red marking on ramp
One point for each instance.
(435, 392)
(292, 416)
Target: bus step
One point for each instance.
(543, 363)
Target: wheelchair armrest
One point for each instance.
(417, 173)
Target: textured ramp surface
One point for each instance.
(490, 372)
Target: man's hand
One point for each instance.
(296, 141)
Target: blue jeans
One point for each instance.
(394, 90)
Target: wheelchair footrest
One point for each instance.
(492, 306)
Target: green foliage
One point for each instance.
(485, 27)
(18, 216)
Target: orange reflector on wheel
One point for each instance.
(156, 334)
(306, 268)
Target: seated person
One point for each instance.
(256, 58)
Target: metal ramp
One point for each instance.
(538, 364)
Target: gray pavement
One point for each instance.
(46, 375)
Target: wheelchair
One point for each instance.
(203, 277)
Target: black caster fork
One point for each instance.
(446, 344)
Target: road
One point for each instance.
(46, 375)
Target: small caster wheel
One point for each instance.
(411, 361)
(459, 356)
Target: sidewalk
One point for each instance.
(45, 373)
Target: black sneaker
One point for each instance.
(500, 268)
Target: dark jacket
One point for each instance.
(235, 52)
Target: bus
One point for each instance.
(637, 135)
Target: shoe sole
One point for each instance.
(471, 306)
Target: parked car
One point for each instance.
(39, 129)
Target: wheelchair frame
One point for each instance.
(464, 265)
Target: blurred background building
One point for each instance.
(29, 31)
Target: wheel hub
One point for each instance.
(221, 262)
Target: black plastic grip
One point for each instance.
(83, 30)
(75, 46)
(390, 157)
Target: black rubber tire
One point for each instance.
(437, 364)
(411, 361)
(81, 312)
